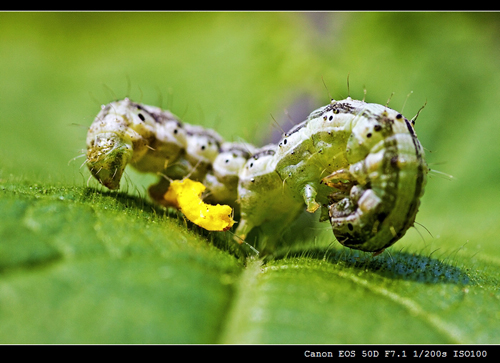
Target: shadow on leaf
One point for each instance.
(393, 265)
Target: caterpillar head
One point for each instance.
(107, 156)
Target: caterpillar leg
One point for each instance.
(269, 233)
(309, 194)
(244, 227)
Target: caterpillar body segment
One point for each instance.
(222, 181)
(361, 162)
(264, 198)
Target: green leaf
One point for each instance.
(79, 267)
(80, 264)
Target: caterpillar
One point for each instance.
(360, 163)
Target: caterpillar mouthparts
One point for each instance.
(361, 163)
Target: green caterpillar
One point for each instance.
(361, 163)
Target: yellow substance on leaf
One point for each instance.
(186, 196)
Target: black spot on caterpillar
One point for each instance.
(360, 162)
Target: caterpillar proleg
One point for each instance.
(360, 163)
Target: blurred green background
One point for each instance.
(236, 72)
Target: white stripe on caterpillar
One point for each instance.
(361, 161)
